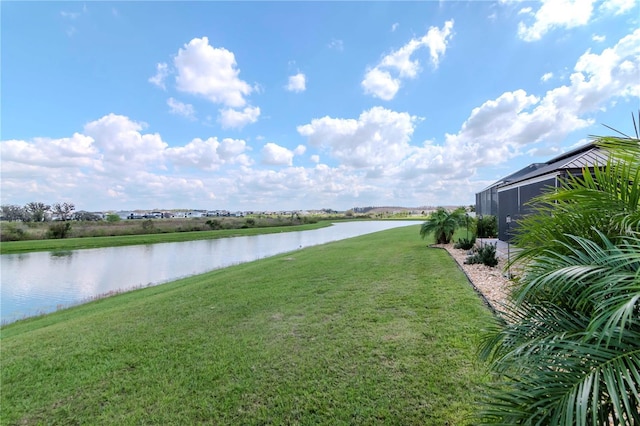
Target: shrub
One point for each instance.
(465, 244)
(487, 227)
(112, 217)
(11, 232)
(485, 255)
(59, 230)
(148, 225)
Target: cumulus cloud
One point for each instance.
(618, 7)
(498, 128)
(277, 155)
(210, 72)
(180, 108)
(116, 162)
(555, 14)
(121, 142)
(598, 38)
(76, 151)
(234, 119)
(379, 82)
(297, 83)
(209, 154)
(162, 71)
(377, 137)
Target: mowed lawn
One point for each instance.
(377, 329)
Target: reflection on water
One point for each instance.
(62, 253)
(41, 282)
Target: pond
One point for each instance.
(42, 282)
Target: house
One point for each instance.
(509, 196)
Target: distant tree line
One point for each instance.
(37, 211)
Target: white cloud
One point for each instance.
(234, 119)
(598, 38)
(179, 108)
(121, 142)
(162, 71)
(209, 154)
(555, 14)
(378, 80)
(210, 72)
(297, 83)
(336, 44)
(380, 84)
(394, 27)
(113, 163)
(378, 137)
(70, 15)
(618, 7)
(277, 155)
(499, 128)
(76, 151)
(546, 77)
(315, 158)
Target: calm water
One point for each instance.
(35, 283)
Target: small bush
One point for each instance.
(465, 244)
(487, 227)
(59, 230)
(214, 224)
(148, 226)
(250, 222)
(485, 255)
(112, 217)
(11, 232)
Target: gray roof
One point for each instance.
(584, 156)
(587, 156)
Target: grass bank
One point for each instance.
(376, 329)
(10, 247)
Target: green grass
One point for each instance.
(125, 240)
(376, 329)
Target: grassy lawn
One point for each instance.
(377, 329)
(127, 240)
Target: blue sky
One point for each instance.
(302, 105)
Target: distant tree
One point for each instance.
(86, 216)
(59, 230)
(37, 210)
(64, 211)
(12, 212)
(112, 217)
(442, 224)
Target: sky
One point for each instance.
(302, 105)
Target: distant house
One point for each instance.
(510, 195)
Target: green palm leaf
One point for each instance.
(568, 351)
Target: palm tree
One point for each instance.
(568, 351)
(443, 224)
